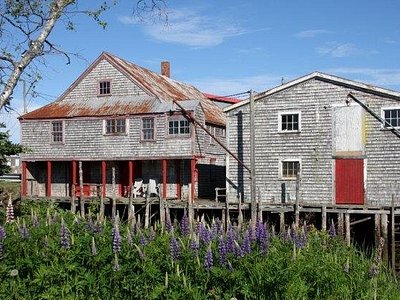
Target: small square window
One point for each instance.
(57, 132)
(176, 127)
(115, 126)
(392, 117)
(104, 87)
(289, 122)
(290, 169)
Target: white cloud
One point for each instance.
(189, 28)
(311, 33)
(338, 50)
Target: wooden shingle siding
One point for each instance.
(313, 145)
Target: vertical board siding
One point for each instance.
(349, 181)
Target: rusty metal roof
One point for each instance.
(162, 89)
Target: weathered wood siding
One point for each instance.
(313, 145)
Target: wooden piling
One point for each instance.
(147, 213)
(281, 221)
(340, 224)
(73, 196)
(323, 217)
(378, 233)
(392, 237)
(162, 212)
(101, 206)
(297, 203)
(384, 231)
(81, 197)
(114, 203)
(227, 215)
(240, 216)
(347, 224)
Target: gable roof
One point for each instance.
(324, 77)
(159, 89)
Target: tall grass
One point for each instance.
(51, 254)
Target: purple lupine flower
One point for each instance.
(152, 235)
(194, 245)
(89, 225)
(222, 251)
(299, 239)
(129, 238)
(23, 231)
(1, 250)
(251, 233)
(198, 226)
(169, 226)
(208, 259)
(9, 212)
(2, 233)
(230, 240)
(263, 239)
(143, 241)
(218, 224)
(213, 231)
(185, 225)
(64, 236)
(97, 228)
(116, 245)
(174, 248)
(332, 229)
(246, 243)
(204, 235)
(94, 250)
(116, 266)
(238, 251)
(35, 220)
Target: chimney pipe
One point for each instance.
(165, 69)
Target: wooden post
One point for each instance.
(297, 203)
(147, 212)
(223, 220)
(227, 215)
(164, 178)
(323, 217)
(240, 217)
(73, 185)
(130, 191)
(130, 176)
(23, 179)
(48, 179)
(192, 178)
(340, 224)
(377, 228)
(190, 213)
(162, 213)
(114, 203)
(281, 221)
(392, 237)
(384, 230)
(102, 208)
(347, 224)
(81, 198)
(103, 177)
(253, 189)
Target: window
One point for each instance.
(289, 122)
(104, 87)
(57, 132)
(148, 129)
(391, 116)
(178, 127)
(115, 126)
(290, 169)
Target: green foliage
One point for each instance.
(38, 267)
(7, 148)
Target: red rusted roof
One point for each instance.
(162, 88)
(224, 99)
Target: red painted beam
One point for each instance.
(103, 177)
(130, 176)
(193, 177)
(164, 178)
(48, 179)
(23, 179)
(178, 178)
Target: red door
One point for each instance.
(349, 181)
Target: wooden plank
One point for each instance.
(361, 221)
(340, 223)
(377, 229)
(281, 221)
(384, 230)
(48, 179)
(81, 196)
(147, 213)
(393, 237)
(114, 202)
(323, 217)
(73, 186)
(347, 224)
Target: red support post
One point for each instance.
(193, 176)
(103, 177)
(48, 179)
(164, 178)
(73, 177)
(23, 179)
(178, 178)
(130, 176)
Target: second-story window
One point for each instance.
(289, 121)
(105, 87)
(178, 127)
(57, 132)
(392, 117)
(148, 129)
(115, 126)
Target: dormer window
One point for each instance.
(105, 87)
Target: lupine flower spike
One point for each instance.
(116, 246)
(64, 236)
(9, 212)
(208, 259)
(94, 250)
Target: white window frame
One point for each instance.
(52, 132)
(179, 120)
(99, 82)
(383, 109)
(142, 129)
(286, 160)
(115, 133)
(289, 112)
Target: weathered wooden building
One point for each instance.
(122, 121)
(336, 146)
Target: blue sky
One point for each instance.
(228, 46)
